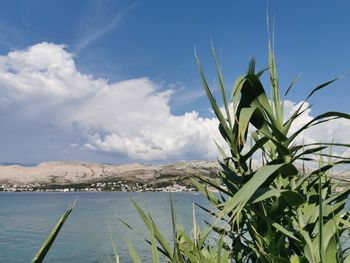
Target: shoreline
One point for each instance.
(112, 186)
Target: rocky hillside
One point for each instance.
(70, 173)
(61, 173)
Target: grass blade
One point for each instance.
(40, 255)
(135, 257)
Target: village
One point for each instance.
(121, 186)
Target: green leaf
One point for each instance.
(257, 145)
(293, 198)
(347, 259)
(294, 259)
(310, 151)
(216, 186)
(150, 225)
(221, 150)
(135, 257)
(309, 250)
(40, 255)
(213, 103)
(236, 203)
(173, 220)
(114, 246)
(328, 231)
(319, 87)
(222, 89)
(331, 251)
(200, 187)
(292, 84)
(274, 82)
(154, 246)
(268, 194)
(243, 122)
(284, 231)
(327, 116)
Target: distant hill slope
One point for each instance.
(80, 172)
(66, 173)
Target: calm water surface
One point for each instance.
(27, 218)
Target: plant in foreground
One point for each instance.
(40, 255)
(275, 212)
(183, 248)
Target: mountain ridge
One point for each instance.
(79, 172)
(67, 172)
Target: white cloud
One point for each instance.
(44, 71)
(42, 86)
(130, 117)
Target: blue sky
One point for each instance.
(151, 45)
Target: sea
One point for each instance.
(94, 226)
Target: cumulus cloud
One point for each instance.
(44, 71)
(42, 86)
(131, 117)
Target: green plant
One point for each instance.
(40, 255)
(184, 248)
(275, 212)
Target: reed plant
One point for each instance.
(275, 211)
(282, 210)
(196, 247)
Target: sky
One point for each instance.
(116, 81)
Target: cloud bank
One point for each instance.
(131, 117)
(42, 85)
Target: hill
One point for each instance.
(70, 173)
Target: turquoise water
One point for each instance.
(27, 218)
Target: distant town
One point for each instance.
(122, 186)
